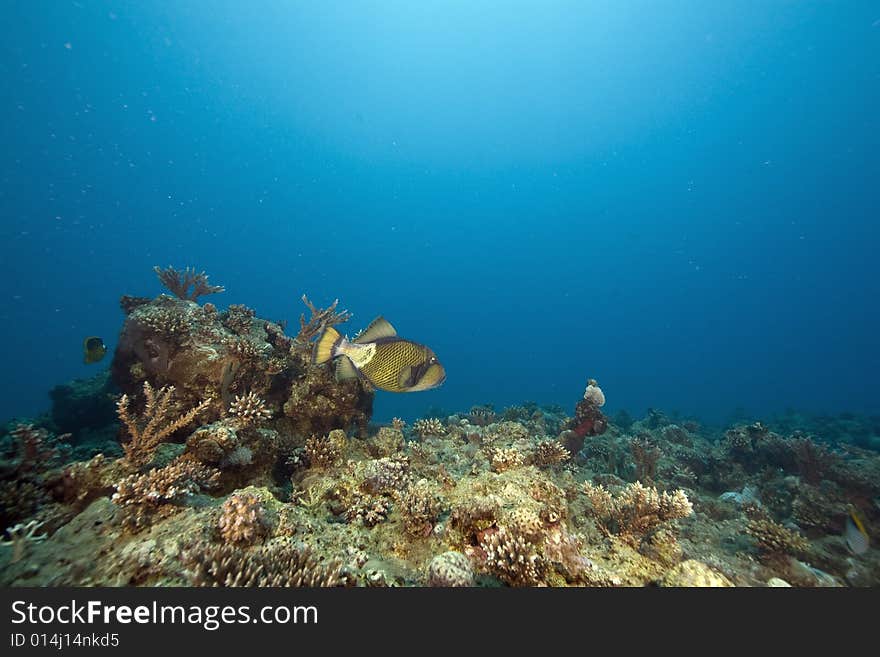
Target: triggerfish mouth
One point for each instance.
(381, 359)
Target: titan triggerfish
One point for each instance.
(381, 359)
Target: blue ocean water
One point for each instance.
(680, 199)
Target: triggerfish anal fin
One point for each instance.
(345, 369)
(378, 328)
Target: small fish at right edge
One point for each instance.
(855, 534)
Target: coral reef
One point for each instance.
(228, 452)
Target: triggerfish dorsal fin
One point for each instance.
(378, 328)
(345, 369)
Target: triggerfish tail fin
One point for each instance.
(327, 346)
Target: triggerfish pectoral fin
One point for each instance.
(434, 376)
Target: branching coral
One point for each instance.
(327, 451)
(28, 456)
(742, 440)
(243, 519)
(386, 475)
(249, 410)
(512, 557)
(187, 284)
(367, 509)
(429, 427)
(156, 423)
(814, 461)
(645, 456)
(35, 448)
(20, 536)
(636, 510)
(450, 569)
(421, 505)
(388, 442)
(144, 496)
(549, 453)
(481, 416)
(279, 563)
(239, 319)
(508, 432)
(774, 540)
(320, 320)
(504, 458)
